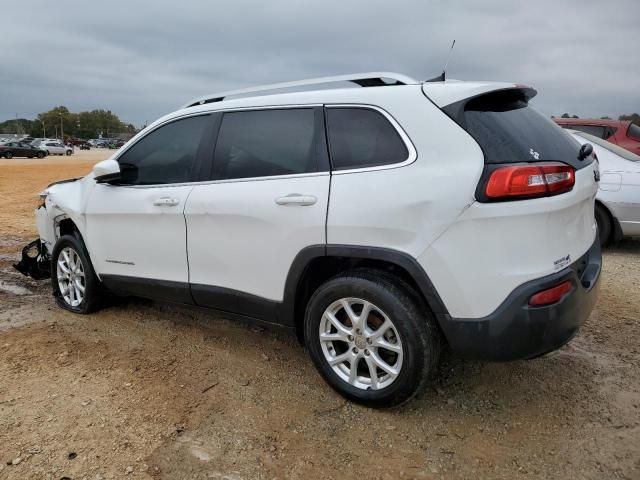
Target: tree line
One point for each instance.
(634, 117)
(60, 120)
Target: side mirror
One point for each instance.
(585, 151)
(106, 171)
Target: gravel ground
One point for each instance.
(146, 390)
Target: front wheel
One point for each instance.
(371, 338)
(75, 285)
(40, 155)
(69, 152)
(8, 155)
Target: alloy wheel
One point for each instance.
(71, 278)
(361, 344)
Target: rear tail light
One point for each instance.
(551, 295)
(529, 181)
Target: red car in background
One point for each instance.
(620, 132)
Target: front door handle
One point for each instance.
(296, 199)
(166, 202)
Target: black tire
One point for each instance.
(413, 322)
(604, 225)
(93, 293)
(69, 152)
(8, 155)
(40, 155)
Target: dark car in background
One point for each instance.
(619, 132)
(19, 149)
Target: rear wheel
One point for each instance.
(8, 155)
(75, 285)
(69, 152)
(370, 338)
(604, 225)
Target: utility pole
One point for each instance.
(61, 130)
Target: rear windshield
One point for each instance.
(509, 130)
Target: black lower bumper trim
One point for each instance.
(35, 262)
(517, 330)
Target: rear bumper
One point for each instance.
(516, 330)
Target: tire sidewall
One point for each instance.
(604, 225)
(91, 282)
(400, 309)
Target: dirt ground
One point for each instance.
(145, 390)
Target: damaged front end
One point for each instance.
(35, 262)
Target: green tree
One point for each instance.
(634, 117)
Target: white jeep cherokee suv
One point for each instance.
(380, 223)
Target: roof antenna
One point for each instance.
(442, 76)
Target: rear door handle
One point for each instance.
(166, 202)
(296, 199)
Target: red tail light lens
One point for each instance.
(530, 181)
(551, 295)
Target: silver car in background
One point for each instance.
(618, 198)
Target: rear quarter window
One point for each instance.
(362, 137)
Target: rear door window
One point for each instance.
(362, 137)
(265, 143)
(509, 130)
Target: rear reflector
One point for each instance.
(551, 295)
(530, 181)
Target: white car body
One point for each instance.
(55, 148)
(619, 189)
(244, 237)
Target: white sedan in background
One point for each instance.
(618, 198)
(56, 148)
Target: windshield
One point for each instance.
(626, 154)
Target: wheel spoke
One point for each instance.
(382, 343)
(364, 315)
(383, 365)
(337, 324)
(71, 294)
(333, 337)
(347, 308)
(386, 325)
(65, 255)
(79, 285)
(340, 358)
(373, 372)
(353, 371)
(63, 267)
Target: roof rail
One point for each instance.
(369, 79)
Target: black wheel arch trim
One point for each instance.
(286, 313)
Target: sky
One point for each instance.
(142, 59)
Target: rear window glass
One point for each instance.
(509, 130)
(634, 131)
(362, 137)
(590, 129)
